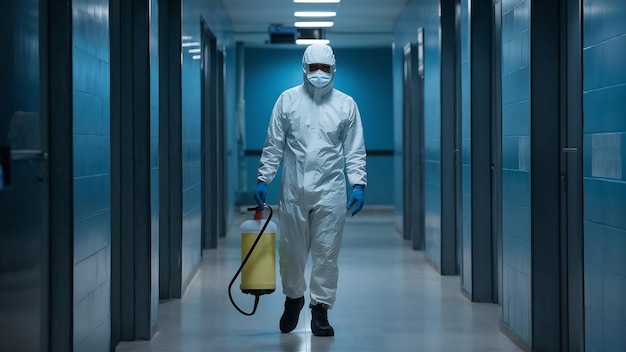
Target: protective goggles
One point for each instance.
(319, 67)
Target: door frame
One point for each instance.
(413, 141)
(56, 94)
(572, 183)
(210, 141)
(170, 149)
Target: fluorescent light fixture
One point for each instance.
(315, 13)
(317, 1)
(314, 24)
(195, 51)
(196, 57)
(191, 44)
(312, 41)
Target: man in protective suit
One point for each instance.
(316, 131)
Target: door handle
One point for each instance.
(570, 150)
(28, 154)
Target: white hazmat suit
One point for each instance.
(317, 134)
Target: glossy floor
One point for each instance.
(389, 299)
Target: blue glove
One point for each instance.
(357, 197)
(260, 193)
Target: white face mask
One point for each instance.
(319, 78)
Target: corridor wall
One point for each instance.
(92, 175)
(217, 20)
(604, 187)
(516, 304)
(191, 157)
(466, 143)
(154, 161)
(425, 14)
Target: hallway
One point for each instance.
(389, 299)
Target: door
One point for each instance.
(23, 191)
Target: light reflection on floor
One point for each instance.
(388, 299)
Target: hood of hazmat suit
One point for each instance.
(317, 134)
(318, 54)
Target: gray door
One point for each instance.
(22, 205)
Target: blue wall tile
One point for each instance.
(516, 166)
(593, 17)
(613, 24)
(417, 14)
(604, 186)
(92, 180)
(593, 74)
(466, 143)
(432, 139)
(614, 52)
(191, 141)
(154, 159)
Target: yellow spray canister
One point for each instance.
(258, 276)
(258, 258)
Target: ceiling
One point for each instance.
(359, 23)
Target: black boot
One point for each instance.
(319, 321)
(289, 320)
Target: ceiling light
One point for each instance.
(314, 24)
(185, 45)
(315, 13)
(316, 1)
(312, 41)
(195, 51)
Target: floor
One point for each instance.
(389, 299)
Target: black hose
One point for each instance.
(258, 238)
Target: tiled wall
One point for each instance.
(432, 138)
(604, 80)
(466, 162)
(424, 14)
(230, 95)
(154, 157)
(212, 11)
(218, 21)
(516, 305)
(92, 178)
(191, 129)
(398, 126)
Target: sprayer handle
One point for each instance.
(257, 208)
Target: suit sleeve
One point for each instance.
(274, 147)
(354, 148)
